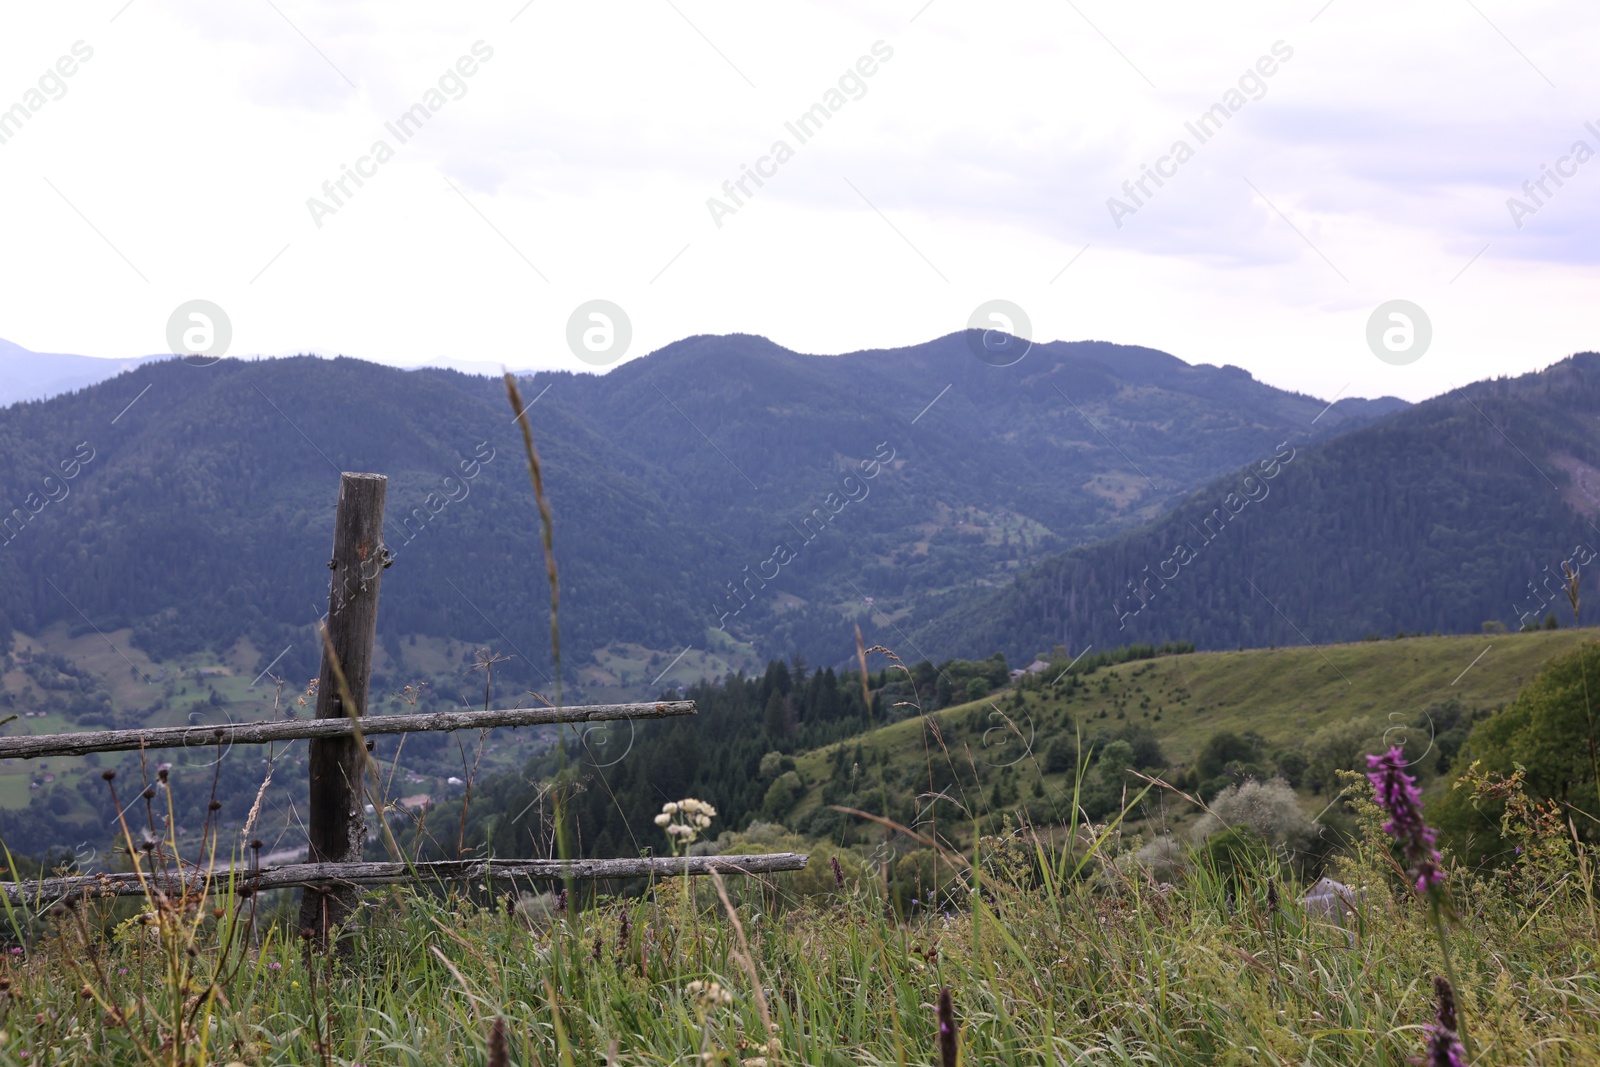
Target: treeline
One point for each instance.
(613, 779)
(737, 753)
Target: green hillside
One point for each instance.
(1292, 698)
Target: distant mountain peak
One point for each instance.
(27, 375)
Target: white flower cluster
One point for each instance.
(709, 994)
(684, 819)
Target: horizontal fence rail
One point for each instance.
(172, 883)
(259, 733)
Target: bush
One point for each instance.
(1147, 752)
(782, 794)
(1062, 756)
(1269, 810)
(1225, 752)
(1338, 747)
(1163, 859)
(1233, 852)
(774, 764)
(1546, 732)
(1292, 765)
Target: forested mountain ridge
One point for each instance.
(201, 498)
(1453, 513)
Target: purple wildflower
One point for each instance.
(947, 1030)
(838, 873)
(1397, 792)
(1443, 1046)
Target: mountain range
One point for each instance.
(722, 493)
(26, 375)
(1453, 515)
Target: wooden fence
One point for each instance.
(336, 827)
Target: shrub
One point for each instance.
(1163, 859)
(1337, 747)
(782, 794)
(774, 764)
(1292, 765)
(1224, 752)
(1269, 810)
(1061, 756)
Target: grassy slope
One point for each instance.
(1282, 694)
(1206, 975)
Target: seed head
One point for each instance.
(499, 1048)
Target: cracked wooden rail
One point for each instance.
(170, 882)
(258, 733)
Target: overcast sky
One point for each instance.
(976, 162)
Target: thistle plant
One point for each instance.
(1397, 793)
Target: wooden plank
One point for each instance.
(259, 733)
(354, 875)
(335, 825)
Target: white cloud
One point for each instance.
(990, 142)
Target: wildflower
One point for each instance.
(684, 819)
(947, 1030)
(709, 995)
(1397, 792)
(838, 873)
(1443, 1045)
(274, 966)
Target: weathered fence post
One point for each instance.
(336, 826)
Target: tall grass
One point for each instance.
(1043, 966)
